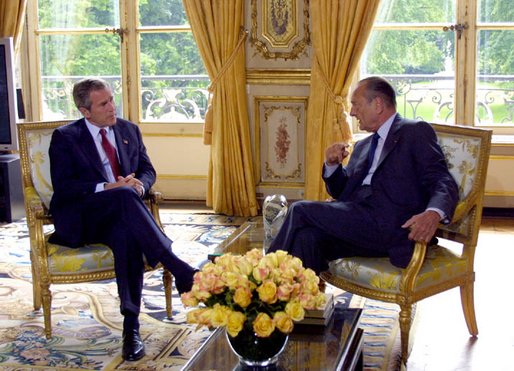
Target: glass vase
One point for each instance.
(254, 351)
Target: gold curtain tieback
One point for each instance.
(242, 37)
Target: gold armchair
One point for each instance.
(437, 268)
(51, 263)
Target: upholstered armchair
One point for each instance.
(438, 268)
(51, 263)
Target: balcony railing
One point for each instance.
(185, 98)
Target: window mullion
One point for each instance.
(465, 69)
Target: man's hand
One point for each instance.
(423, 226)
(128, 181)
(336, 153)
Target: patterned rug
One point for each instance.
(86, 323)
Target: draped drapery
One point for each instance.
(340, 30)
(217, 28)
(12, 15)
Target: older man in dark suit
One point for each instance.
(100, 174)
(395, 189)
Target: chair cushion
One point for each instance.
(64, 260)
(440, 265)
(38, 144)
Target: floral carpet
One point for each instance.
(87, 326)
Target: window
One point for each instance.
(437, 52)
(144, 49)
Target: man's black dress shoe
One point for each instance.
(133, 347)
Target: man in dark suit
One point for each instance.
(100, 174)
(392, 192)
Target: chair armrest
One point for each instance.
(409, 274)
(154, 198)
(35, 208)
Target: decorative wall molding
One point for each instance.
(279, 138)
(280, 28)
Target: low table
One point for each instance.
(336, 346)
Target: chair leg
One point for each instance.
(36, 290)
(167, 279)
(46, 296)
(405, 325)
(468, 307)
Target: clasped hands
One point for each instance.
(128, 181)
(336, 153)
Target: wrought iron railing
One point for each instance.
(185, 98)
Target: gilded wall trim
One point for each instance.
(280, 29)
(278, 77)
(279, 139)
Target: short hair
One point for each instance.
(375, 86)
(83, 88)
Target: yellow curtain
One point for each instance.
(340, 30)
(12, 15)
(217, 27)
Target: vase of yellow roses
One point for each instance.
(257, 298)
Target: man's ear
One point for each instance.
(379, 104)
(85, 112)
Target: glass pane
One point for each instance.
(419, 11)
(420, 64)
(66, 59)
(162, 13)
(78, 13)
(495, 77)
(173, 78)
(495, 11)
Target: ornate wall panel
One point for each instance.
(279, 34)
(279, 135)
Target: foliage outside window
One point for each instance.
(81, 38)
(409, 47)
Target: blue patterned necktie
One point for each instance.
(372, 149)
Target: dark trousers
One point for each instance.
(122, 221)
(317, 232)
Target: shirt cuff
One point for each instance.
(100, 187)
(442, 216)
(329, 170)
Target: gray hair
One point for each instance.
(379, 87)
(83, 88)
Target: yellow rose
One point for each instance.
(231, 279)
(219, 315)
(235, 323)
(200, 316)
(295, 310)
(243, 297)
(260, 273)
(268, 292)
(254, 256)
(188, 299)
(284, 292)
(283, 322)
(245, 267)
(263, 325)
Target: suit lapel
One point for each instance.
(88, 148)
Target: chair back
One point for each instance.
(34, 141)
(466, 150)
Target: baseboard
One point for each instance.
(498, 212)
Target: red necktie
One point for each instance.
(110, 151)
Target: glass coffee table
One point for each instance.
(336, 346)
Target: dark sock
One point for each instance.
(182, 271)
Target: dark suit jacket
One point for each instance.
(76, 169)
(411, 176)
